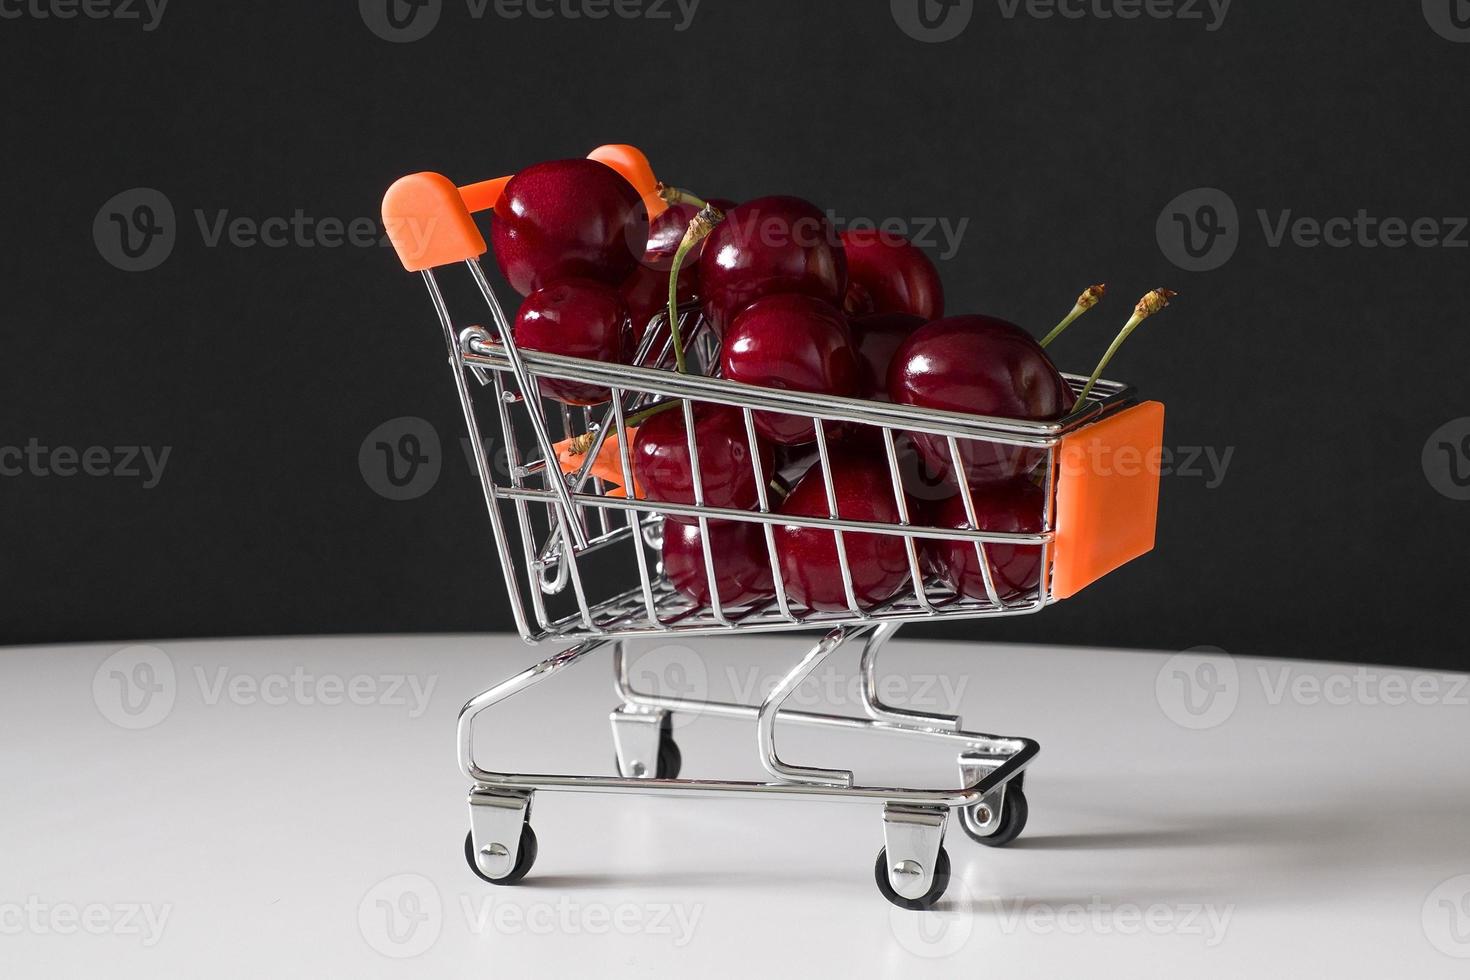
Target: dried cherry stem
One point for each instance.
(1085, 302)
(678, 195)
(699, 227)
(1151, 303)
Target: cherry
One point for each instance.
(1015, 506)
(793, 342)
(567, 219)
(980, 365)
(738, 550)
(766, 246)
(876, 338)
(577, 318)
(661, 458)
(646, 290)
(810, 568)
(886, 273)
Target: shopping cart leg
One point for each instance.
(501, 846)
(874, 705)
(766, 717)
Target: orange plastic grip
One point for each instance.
(636, 170)
(1107, 496)
(428, 219)
(428, 223)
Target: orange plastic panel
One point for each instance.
(1107, 496)
(635, 168)
(482, 196)
(428, 223)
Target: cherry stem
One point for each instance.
(1151, 303)
(1085, 302)
(678, 195)
(699, 227)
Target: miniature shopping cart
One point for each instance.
(551, 527)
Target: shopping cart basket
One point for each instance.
(1098, 472)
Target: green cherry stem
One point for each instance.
(678, 195)
(1085, 302)
(699, 226)
(1151, 303)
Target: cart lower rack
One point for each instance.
(557, 536)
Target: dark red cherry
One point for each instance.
(766, 246)
(576, 318)
(666, 233)
(646, 290)
(808, 557)
(982, 366)
(661, 458)
(886, 273)
(567, 219)
(876, 338)
(738, 549)
(1014, 506)
(792, 342)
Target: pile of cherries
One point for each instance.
(799, 307)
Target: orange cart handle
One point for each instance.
(428, 218)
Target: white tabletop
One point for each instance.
(293, 808)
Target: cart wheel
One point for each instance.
(1014, 812)
(524, 860)
(927, 900)
(670, 759)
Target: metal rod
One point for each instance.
(532, 395)
(766, 717)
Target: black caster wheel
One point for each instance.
(925, 901)
(1014, 812)
(670, 759)
(524, 860)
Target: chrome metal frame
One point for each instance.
(546, 525)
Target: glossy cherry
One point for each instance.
(1014, 506)
(980, 365)
(795, 343)
(738, 550)
(567, 219)
(661, 458)
(886, 273)
(646, 290)
(766, 246)
(576, 318)
(809, 563)
(876, 338)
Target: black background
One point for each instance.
(1323, 369)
